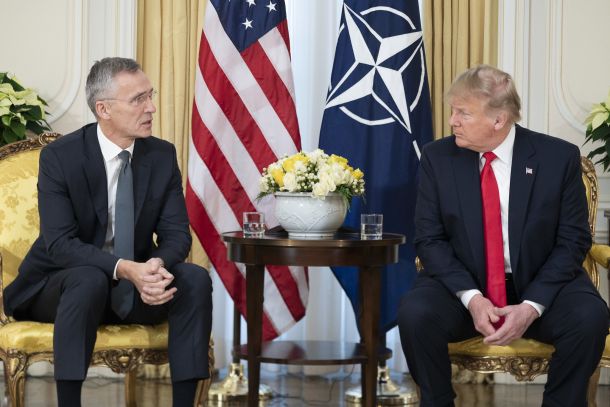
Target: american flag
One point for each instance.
(244, 118)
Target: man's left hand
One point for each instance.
(517, 318)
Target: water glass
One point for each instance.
(254, 224)
(371, 226)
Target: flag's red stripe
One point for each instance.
(273, 87)
(283, 29)
(234, 109)
(217, 252)
(220, 169)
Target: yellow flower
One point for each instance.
(290, 162)
(357, 174)
(278, 175)
(339, 160)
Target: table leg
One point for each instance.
(370, 294)
(255, 275)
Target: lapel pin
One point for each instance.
(529, 171)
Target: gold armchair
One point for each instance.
(122, 348)
(526, 358)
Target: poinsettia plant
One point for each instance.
(21, 109)
(598, 129)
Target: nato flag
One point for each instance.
(378, 116)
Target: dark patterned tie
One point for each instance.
(492, 226)
(122, 294)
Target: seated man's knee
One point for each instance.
(90, 282)
(590, 319)
(412, 313)
(192, 278)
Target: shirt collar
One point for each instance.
(504, 151)
(109, 149)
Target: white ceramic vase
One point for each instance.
(306, 217)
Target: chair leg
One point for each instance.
(202, 392)
(15, 379)
(592, 390)
(130, 388)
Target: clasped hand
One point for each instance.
(517, 318)
(151, 280)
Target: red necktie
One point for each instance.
(492, 226)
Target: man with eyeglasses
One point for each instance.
(114, 236)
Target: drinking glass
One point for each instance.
(371, 226)
(254, 224)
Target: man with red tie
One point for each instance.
(501, 229)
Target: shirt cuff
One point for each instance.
(114, 277)
(466, 295)
(538, 307)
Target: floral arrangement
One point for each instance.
(315, 172)
(598, 129)
(21, 109)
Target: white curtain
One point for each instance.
(313, 27)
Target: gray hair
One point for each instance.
(495, 86)
(101, 76)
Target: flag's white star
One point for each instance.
(391, 77)
(271, 6)
(247, 23)
(250, 3)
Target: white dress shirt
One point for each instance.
(112, 163)
(501, 167)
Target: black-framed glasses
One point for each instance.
(138, 100)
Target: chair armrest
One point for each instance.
(601, 254)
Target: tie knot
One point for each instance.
(489, 157)
(124, 156)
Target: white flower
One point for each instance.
(320, 189)
(263, 184)
(290, 182)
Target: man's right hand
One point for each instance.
(483, 315)
(151, 280)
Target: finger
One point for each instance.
(493, 317)
(166, 274)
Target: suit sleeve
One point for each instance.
(432, 243)
(58, 222)
(172, 229)
(572, 240)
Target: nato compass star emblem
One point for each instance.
(379, 67)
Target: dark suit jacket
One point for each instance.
(548, 229)
(73, 207)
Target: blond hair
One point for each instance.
(493, 85)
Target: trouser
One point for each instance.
(77, 301)
(430, 317)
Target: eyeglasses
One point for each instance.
(138, 100)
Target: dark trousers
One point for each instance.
(430, 317)
(77, 301)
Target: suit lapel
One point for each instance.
(141, 167)
(467, 180)
(96, 174)
(523, 174)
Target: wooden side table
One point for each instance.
(345, 249)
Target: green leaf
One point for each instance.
(18, 128)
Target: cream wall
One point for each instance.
(58, 41)
(557, 52)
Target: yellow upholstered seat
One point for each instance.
(526, 358)
(120, 347)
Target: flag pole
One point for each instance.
(388, 393)
(234, 387)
